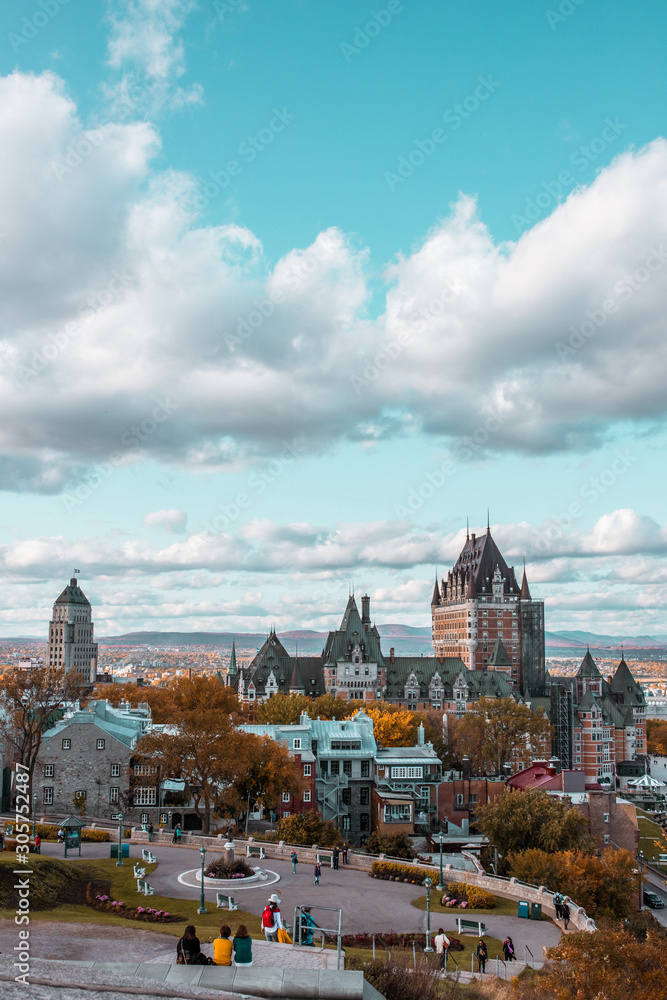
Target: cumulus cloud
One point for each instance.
(114, 301)
(169, 520)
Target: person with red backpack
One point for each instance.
(271, 918)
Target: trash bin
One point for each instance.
(125, 851)
(535, 911)
(114, 851)
(524, 909)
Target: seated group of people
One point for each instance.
(188, 949)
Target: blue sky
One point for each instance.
(288, 290)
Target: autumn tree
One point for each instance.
(499, 730)
(182, 695)
(656, 737)
(268, 771)
(604, 885)
(283, 709)
(30, 702)
(518, 821)
(309, 828)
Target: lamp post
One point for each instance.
(202, 901)
(438, 838)
(428, 884)
(119, 863)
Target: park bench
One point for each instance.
(225, 902)
(144, 887)
(139, 872)
(471, 925)
(147, 856)
(255, 851)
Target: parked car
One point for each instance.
(653, 900)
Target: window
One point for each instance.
(306, 796)
(347, 768)
(47, 796)
(365, 768)
(67, 744)
(363, 796)
(473, 800)
(459, 799)
(286, 796)
(345, 825)
(115, 770)
(287, 813)
(48, 770)
(297, 744)
(80, 794)
(144, 818)
(606, 838)
(144, 769)
(306, 770)
(114, 791)
(335, 767)
(347, 796)
(364, 822)
(605, 817)
(144, 796)
(100, 744)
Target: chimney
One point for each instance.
(420, 735)
(465, 764)
(391, 655)
(465, 827)
(365, 610)
(472, 538)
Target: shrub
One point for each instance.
(480, 899)
(397, 845)
(237, 869)
(401, 982)
(148, 914)
(410, 873)
(49, 831)
(308, 828)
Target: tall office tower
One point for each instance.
(481, 614)
(70, 643)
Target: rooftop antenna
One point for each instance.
(488, 522)
(467, 528)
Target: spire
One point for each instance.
(467, 529)
(525, 592)
(436, 593)
(232, 661)
(488, 522)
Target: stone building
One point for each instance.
(298, 741)
(71, 644)
(405, 796)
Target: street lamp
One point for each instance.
(438, 839)
(202, 901)
(119, 863)
(428, 884)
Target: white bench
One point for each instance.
(256, 851)
(148, 857)
(225, 902)
(139, 872)
(144, 887)
(470, 925)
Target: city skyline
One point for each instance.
(289, 294)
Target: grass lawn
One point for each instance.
(503, 908)
(493, 945)
(652, 838)
(124, 887)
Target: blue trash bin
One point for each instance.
(524, 909)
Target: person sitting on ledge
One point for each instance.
(188, 949)
(242, 946)
(222, 947)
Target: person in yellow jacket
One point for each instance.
(222, 947)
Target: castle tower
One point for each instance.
(71, 644)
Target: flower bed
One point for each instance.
(237, 869)
(148, 914)
(393, 941)
(390, 871)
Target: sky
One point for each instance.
(289, 290)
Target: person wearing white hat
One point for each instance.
(272, 920)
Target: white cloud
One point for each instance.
(169, 520)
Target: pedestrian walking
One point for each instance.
(345, 852)
(177, 834)
(565, 911)
(272, 919)
(508, 949)
(334, 858)
(482, 955)
(60, 835)
(557, 900)
(150, 832)
(318, 872)
(295, 861)
(38, 844)
(441, 942)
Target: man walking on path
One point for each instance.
(482, 955)
(345, 852)
(557, 901)
(295, 861)
(318, 872)
(565, 912)
(334, 858)
(441, 942)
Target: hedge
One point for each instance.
(49, 831)
(390, 871)
(393, 940)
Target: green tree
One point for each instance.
(517, 821)
(308, 828)
(394, 845)
(499, 730)
(268, 772)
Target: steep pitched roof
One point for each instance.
(352, 631)
(72, 594)
(525, 592)
(499, 657)
(588, 702)
(424, 668)
(588, 667)
(625, 688)
(477, 563)
(436, 593)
